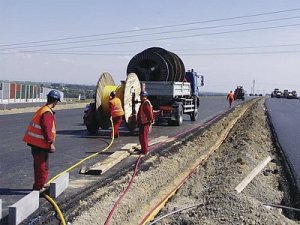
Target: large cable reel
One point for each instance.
(157, 64)
(128, 92)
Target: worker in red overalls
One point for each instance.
(116, 112)
(145, 119)
(230, 98)
(40, 136)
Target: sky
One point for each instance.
(253, 43)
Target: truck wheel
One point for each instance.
(179, 117)
(132, 123)
(102, 119)
(91, 123)
(92, 128)
(194, 115)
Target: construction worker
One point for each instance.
(145, 119)
(116, 112)
(40, 136)
(230, 98)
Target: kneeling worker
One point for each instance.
(40, 136)
(145, 119)
(116, 112)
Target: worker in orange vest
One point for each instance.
(116, 112)
(145, 119)
(40, 136)
(230, 98)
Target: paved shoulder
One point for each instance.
(285, 118)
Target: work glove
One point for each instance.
(52, 148)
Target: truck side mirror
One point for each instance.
(202, 80)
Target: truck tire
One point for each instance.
(91, 123)
(132, 123)
(92, 128)
(102, 119)
(179, 116)
(194, 115)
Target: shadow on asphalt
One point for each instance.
(8, 191)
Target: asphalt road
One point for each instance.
(73, 144)
(285, 118)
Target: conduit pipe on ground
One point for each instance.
(282, 207)
(176, 211)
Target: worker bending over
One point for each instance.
(116, 112)
(230, 98)
(145, 119)
(40, 136)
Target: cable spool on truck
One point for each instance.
(172, 91)
(97, 113)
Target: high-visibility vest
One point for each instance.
(142, 116)
(34, 134)
(230, 96)
(116, 107)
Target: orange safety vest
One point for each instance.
(116, 107)
(230, 96)
(34, 133)
(142, 114)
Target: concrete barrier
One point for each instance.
(59, 185)
(23, 208)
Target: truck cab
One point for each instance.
(239, 93)
(195, 80)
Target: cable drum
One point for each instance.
(100, 117)
(157, 64)
(104, 80)
(106, 96)
(128, 92)
(167, 56)
(149, 66)
(179, 68)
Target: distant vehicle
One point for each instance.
(286, 93)
(81, 97)
(292, 95)
(274, 93)
(239, 93)
(260, 95)
(279, 94)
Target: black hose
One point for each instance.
(283, 207)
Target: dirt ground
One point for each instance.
(211, 187)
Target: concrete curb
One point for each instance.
(23, 208)
(59, 185)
